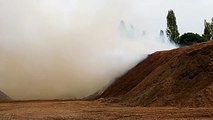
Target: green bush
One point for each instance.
(190, 38)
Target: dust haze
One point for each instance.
(59, 49)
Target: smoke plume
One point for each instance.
(57, 49)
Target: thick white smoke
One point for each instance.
(52, 49)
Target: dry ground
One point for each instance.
(94, 110)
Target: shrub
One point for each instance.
(190, 38)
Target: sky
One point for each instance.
(58, 49)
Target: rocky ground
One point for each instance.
(95, 110)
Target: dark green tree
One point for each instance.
(211, 29)
(172, 28)
(207, 31)
(190, 38)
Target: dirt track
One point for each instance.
(94, 110)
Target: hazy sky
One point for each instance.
(71, 48)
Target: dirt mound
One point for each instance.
(4, 97)
(180, 77)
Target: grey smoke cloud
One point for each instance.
(51, 49)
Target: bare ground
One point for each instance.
(95, 110)
(176, 85)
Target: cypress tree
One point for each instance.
(207, 31)
(172, 28)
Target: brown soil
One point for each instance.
(182, 77)
(95, 110)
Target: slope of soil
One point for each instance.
(181, 77)
(4, 97)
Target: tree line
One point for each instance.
(188, 38)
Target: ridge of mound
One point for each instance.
(4, 97)
(180, 77)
